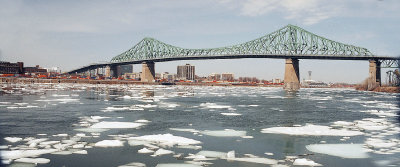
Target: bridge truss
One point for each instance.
(288, 41)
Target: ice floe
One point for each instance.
(224, 133)
(134, 164)
(305, 162)
(230, 114)
(145, 151)
(166, 139)
(311, 130)
(116, 125)
(13, 139)
(214, 106)
(161, 151)
(177, 165)
(340, 150)
(109, 143)
(33, 160)
(15, 154)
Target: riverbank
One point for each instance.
(122, 82)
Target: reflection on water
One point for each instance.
(114, 125)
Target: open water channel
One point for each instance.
(190, 126)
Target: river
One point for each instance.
(155, 125)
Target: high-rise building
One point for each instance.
(186, 72)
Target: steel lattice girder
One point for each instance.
(390, 64)
(287, 41)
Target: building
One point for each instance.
(134, 76)
(227, 77)
(11, 68)
(121, 70)
(186, 72)
(35, 70)
(214, 77)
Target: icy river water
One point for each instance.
(190, 126)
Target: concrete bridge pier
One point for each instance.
(374, 79)
(148, 72)
(292, 75)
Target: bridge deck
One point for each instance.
(93, 66)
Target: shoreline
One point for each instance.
(5, 80)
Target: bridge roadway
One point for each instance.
(322, 57)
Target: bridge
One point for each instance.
(290, 42)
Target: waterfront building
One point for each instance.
(11, 68)
(35, 70)
(214, 77)
(227, 77)
(121, 70)
(186, 72)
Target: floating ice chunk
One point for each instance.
(98, 117)
(190, 147)
(37, 140)
(372, 125)
(213, 154)
(80, 152)
(255, 160)
(142, 121)
(61, 135)
(213, 105)
(161, 151)
(379, 143)
(230, 114)
(91, 130)
(109, 143)
(134, 164)
(340, 150)
(185, 130)
(247, 137)
(2, 147)
(268, 153)
(224, 133)
(15, 154)
(198, 162)
(115, 125)
(62, 153)
(305, 162)
(137, 142)
(311, 130)
(33, 160)
(145, 151)
(177, 165)
(13, 139)
(167, 139)
(78, 146)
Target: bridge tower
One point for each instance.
(148, 72)
(374, 79)
(292, 75)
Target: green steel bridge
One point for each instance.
(290, 42)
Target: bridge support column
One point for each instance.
(374, 79)
(148, 72)
(292, 75)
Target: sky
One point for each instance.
(71, 34)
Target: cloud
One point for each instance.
(307, 11)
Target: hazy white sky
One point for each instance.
(70, 34)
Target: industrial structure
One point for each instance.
(290, 42)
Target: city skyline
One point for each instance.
(69, 34)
